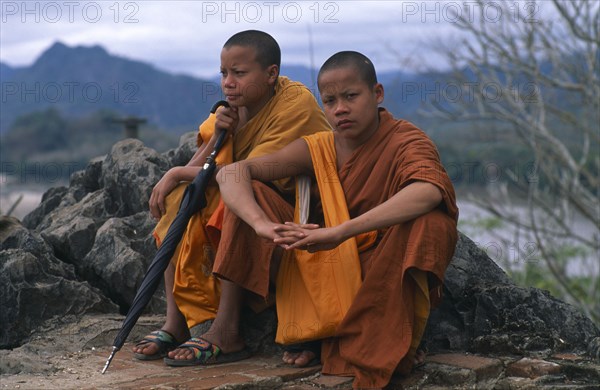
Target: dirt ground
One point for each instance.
(72, 355)
(69, 356)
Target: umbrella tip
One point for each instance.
(110, 358)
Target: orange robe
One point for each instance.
(382, 326)
(291, 113)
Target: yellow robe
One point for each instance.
(292, 113)
(315, 290)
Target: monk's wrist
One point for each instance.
(185, 173)
(257, 222)
(175, 173)
(345, 230)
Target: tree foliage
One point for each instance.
(50, 137)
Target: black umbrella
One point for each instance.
(194, 199)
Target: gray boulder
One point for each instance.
(484, 311)
(71, 229)
(122, 251)
(89, 242)
(128, 174)
(36, 287)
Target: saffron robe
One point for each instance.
(291, 113)
(383, 325)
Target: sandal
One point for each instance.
(166, 342)
(206, 353)
(311, 346)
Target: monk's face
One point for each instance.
(350, 105)
(243, 79)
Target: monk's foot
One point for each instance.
(299, 359)
(419, 358)
(303, 354)
(157, 344)
(226, 345)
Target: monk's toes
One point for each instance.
(175, 354)
(290, 357)
(304, 358)
(187, 355)
(149, 349)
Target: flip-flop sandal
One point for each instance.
(311, 346)
(206, 353)
(166, 342)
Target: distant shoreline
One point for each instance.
(469, 213)
(29, 201)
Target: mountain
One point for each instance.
(78, 81)
(84, 79)
(404, 92)
(6, 72)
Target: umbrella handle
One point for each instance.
(220, 139)
(217, 105)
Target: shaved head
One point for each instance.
(267, 50)
(354, 59)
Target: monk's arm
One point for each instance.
(226, 119)
(409, 203)
(235, 182)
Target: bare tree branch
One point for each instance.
(546, 73)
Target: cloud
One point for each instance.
(187, 36)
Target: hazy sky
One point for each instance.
(187, 36)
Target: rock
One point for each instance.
(36, 287)
(71, 229)
(50, 200)
(594, 348)
(483, 311)
(64, 230)
(88, 180)
(81, 183)
(532, 368)
(185, 151)
(128, 175)
(122, 251)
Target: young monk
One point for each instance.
(267, 112)
(364, 276)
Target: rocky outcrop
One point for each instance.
(36, 287)
(86, 248)
(484, 311)
(122, 251)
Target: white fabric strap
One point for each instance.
(303, 185)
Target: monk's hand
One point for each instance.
(290, 233)
(309, 237)
(227, 118)
(266, 229)
(160, 191)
